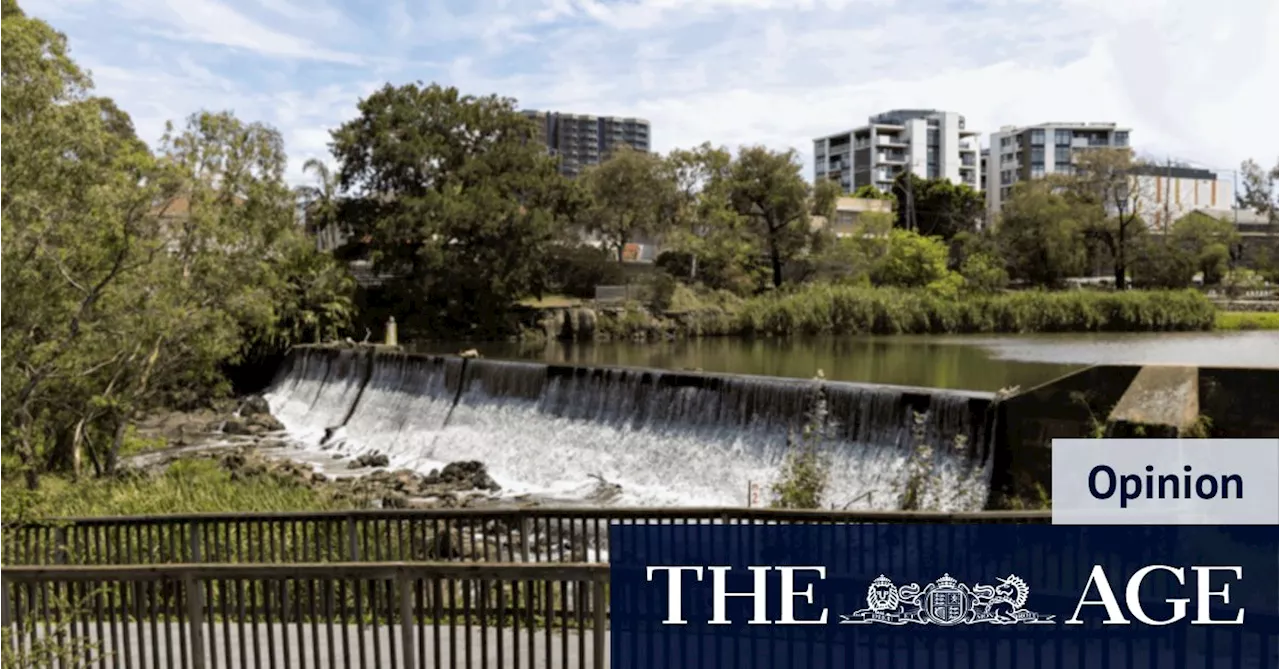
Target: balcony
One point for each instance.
(968, 160)
(891, 157)
(890, 140)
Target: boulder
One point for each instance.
(467, 474)
(266, 421)
(370, 460)
(254, 405)
(235, 426)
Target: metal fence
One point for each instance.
(308, 615)
(537, 534)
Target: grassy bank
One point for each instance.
(1246, 320)
(845, 310)
(187, 486)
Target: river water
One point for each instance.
(965, 362)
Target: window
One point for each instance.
(1005, 141)
(1037, 170)
(1122, 138)
(1037, 154)
(1037, 136)
(932, 136)
(933, 172)
(1062, 137)
(1062, 155)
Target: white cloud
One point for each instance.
(1195, 80)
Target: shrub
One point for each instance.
(803, 479)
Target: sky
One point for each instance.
(1197, 81)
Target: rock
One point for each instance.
(468, 474)
(235, 426)
(370, 460)
(395, 501)
(332, 434)
(586, 323)
(254, 405)
(266, 421)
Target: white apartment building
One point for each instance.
(929, 143)
(1030, 152)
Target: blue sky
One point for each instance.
(1197, 81)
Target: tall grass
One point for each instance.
(187, 486)
(1247, 320)
(829, 309)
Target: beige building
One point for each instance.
(1167, 193)
(849, 213)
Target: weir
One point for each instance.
(668, 438)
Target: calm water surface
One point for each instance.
(975, 362)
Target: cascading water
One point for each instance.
(667, 438)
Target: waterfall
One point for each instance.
(668, 438)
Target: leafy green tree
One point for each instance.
(851, 259)
(984, 273)
(936, 207)
(869, 192)
(1209, 241)
(1161, 263)
(319, 203)
(911, 261)
(1039, 233)
(131, 279)
(631, 197)
(457, 199)
(716, 239)
(767, 188)
(1108, 193)
(1259, 190)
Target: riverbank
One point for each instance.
(241, 462)
(824, 309)
(1230, 321)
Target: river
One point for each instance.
(964, 362)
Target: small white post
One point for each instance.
(392, 338)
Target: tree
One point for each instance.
(767, 189)
(869, 192)
(911, 261)
(320, 203)
(715, 239)
(1262, 195)
(936, 207)
(1039, 233)
(130, 278)
(631, 197)
(1110, 192)
(1209, 241)
(457, 199)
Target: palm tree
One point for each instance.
(320, 204)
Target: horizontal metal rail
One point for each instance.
(538, 534)
(308, 615)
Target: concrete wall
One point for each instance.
(1238, 403)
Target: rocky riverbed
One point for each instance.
(244, 439)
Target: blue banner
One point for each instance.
(976, 596)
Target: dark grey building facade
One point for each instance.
(581, 140)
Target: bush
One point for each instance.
(911, 261)
(1160, 264)
(825, 309)
(577, 270)
(983, 273)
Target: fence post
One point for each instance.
(406, 619)
(60, 545)
(195, 618)
(353, 543)
(7, 616)
(524, 538)
(598, 632)
(193, 540)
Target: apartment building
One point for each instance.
(1029, 152)
(581, 140)
(926, 142)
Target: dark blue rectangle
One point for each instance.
(973, 596)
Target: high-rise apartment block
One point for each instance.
(580, 140)
(1030, 152)
(928, 143)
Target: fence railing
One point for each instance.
(308, 615)
(537, 534)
